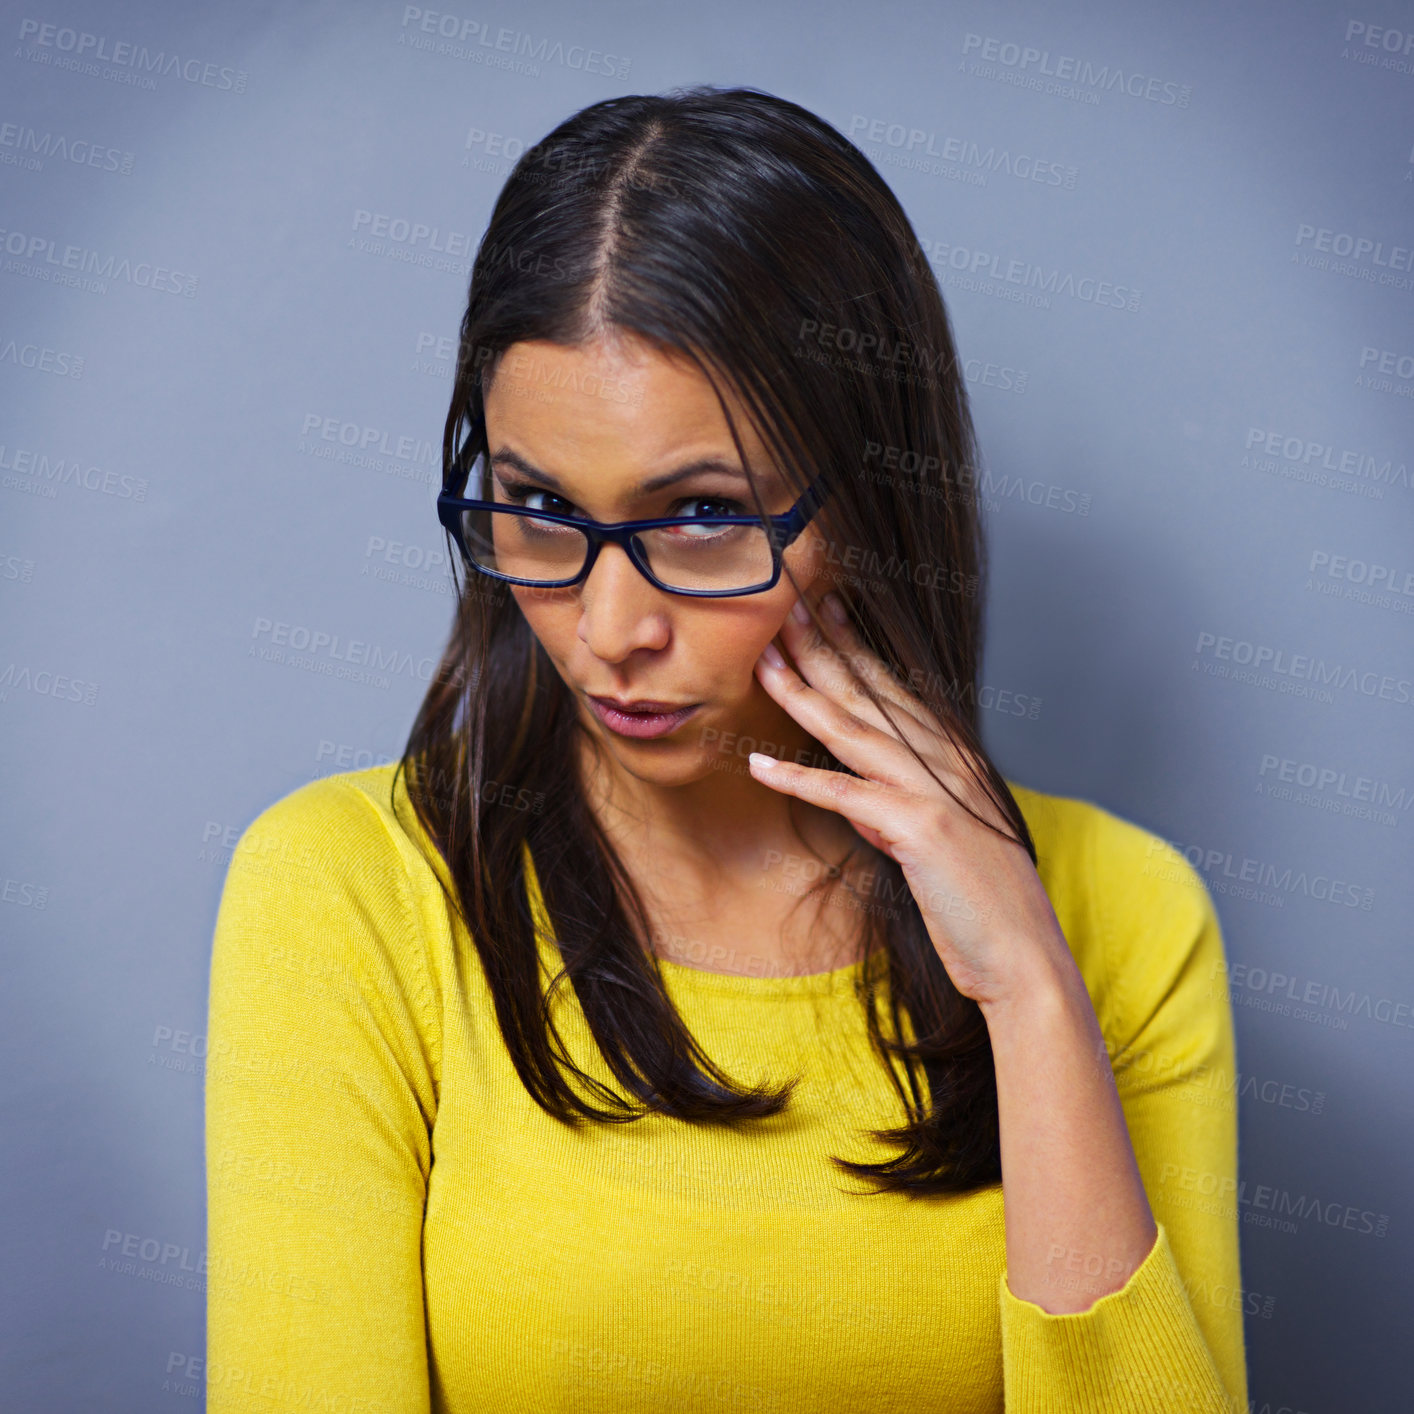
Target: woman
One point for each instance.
(695, 1016)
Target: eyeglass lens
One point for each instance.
(682, 556)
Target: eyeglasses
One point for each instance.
(707, 556)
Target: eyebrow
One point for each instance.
(507, 457)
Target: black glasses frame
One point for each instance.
(781, 530)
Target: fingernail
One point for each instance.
(773, 656)
(799, 612)
(761, 761)
(834, 607)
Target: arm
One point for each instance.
(1107, 1304)
(1078, 1222)
(1076, 1192)
(320, 1091)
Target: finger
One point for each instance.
(945, 757)
(838, 675)
(838, 665)
(861, 745)
(871, 806)
(851, 651)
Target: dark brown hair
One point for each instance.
(740, 231)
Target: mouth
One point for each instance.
(643, 718)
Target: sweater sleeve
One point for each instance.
(1172, 1337)
(321, 1088)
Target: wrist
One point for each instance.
(1050, 1020)
(1043, 989)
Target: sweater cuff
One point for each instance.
(1139, 1348)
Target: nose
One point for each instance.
(620, 611)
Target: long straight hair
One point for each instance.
(737, 230)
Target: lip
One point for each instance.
(641, 704)
(640, 723)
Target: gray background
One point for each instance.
(1193, 483)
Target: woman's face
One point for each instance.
(598, 420)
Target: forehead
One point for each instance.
(617, 399)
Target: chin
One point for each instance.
(660, 765)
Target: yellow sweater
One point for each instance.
(394, 1226)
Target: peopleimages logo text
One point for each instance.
(81, 46)
(463, 38)
(1104, 77)
(1267, 658)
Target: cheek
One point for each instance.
(551, 621)
(729, 645)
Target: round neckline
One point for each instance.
(837, 979)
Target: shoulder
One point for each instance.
(333, 867)
(1135, 911)
(323, 903)
(1119, 868)
(322, 956)
(342, 826)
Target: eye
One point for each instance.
(523, 493)
(716, 506)
(536, 498)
